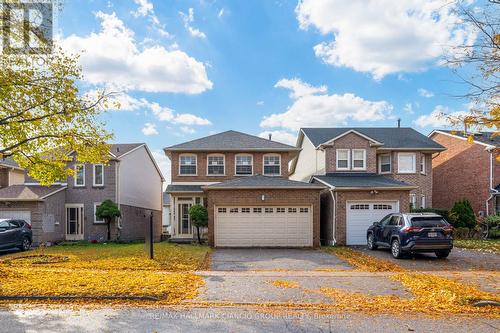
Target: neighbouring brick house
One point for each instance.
(243, 181)
(66, 210)
(369, 172)
(10, 173)
(467, 170)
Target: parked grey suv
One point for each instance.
(15, 233)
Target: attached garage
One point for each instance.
(362, 214)
(16, 214)
(266, 226)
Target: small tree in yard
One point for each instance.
(464, 213)
(199, 217)
(108, 211)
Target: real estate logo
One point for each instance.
(27, 26)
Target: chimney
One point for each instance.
(399, 122)
(270, 136)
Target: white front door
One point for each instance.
(184, 228)
(277, 226)
(361, 214)
(74, 221)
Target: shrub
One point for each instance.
(461, 233)
(492, 221)
(465, 217)
(199, 217)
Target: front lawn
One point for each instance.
(488, 245)
(104, 272)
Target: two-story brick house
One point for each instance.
(243, 181)
(66, 210)
(467, 170)
(369, 172)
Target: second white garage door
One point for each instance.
(16, 214)
(279, 226)
(360, 215)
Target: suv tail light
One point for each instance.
(28, 225)
(448, 230)
(411, 229)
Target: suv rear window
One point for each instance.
(424, 222)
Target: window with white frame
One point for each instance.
(359, 159)
(422, 201)
(413, 200)
(406, 162)
(244, 165)
(343, 159)
(422, 164)
(98, 178)
(187, 165)
(96, 219)
(272, 165)
(384, 163)
(215, 165)
(80, 175)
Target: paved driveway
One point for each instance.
(274, 259)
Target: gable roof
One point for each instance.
(10, 163)
(120, 149)
(485, 138)
(231, 140)
(361, 181)
(260, 182)
(28, 192)
(389, 137)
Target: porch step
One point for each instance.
(181, 240)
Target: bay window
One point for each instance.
(406, 162)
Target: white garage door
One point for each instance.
(360, 215)
(16, 214)
(279, 226)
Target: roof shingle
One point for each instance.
(361, 180)
(483, 137)
(27, 192)
(183, 188)
(260, 181)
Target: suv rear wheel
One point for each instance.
(442, 253)
(396, 249)
(26, 244)
(370, 242)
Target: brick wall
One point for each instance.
(135, 223)
(462, 171)
(4, 177)
(351, 141)
(229, 166)
(273, 198)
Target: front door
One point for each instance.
(74, 222)
(184, 222)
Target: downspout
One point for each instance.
(492, 191)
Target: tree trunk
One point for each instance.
(198, 232)
(109, 229)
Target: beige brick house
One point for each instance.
(369, 172)
(243, 181)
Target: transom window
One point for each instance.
(360, 206)
(80, 175)
(304, 210)
(384, 163)
(343, 159)
(244, 165)
(280, 210)
(272, 165)
(292, 210)
(215, 165)
(98, 175)
(257, 210)
(233, 210)
(406, 162)
(382, 207)
(221, 210)
(268, 210)
(187, 165)
(358, 159)
(245, 210)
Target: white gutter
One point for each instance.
(492, 191)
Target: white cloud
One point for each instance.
(408, 108)
(163, 163)
(299, 88)
(438, 117)
(145, 8)
(187, 130)
(149, 129)
(221, 13)
(310, 109)
(190, 119)
(425, 93)
(188, 19)
(382, 37)
(260, 103)
(280, 136)
(111, 57)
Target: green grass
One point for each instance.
(490, 245)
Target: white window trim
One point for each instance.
(223, 161)
(96, 221)
(264, 165)
(423, 202)
(423, 164)
(93, 175)
(414, 170)
(75, 178)
(195, 163)
(235, 164)
(413, 200)
(380, 163)
(364, 159)
(348, 159)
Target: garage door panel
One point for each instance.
(360, 215)
(16, 214)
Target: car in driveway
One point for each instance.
(15, 233)
(412, 232)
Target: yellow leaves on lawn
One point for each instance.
(363, 262)
(285, 284)
(484, 245)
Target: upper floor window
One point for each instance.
(272, 165)
(244, 165)
(187, 165)
(98, 175)
(359, 159)
(406, 163)
(215, 165)
(80, 175)
(343, 159)
(422, 164)
(384, 163)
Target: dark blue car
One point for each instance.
(413, 232)
(15, 233)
